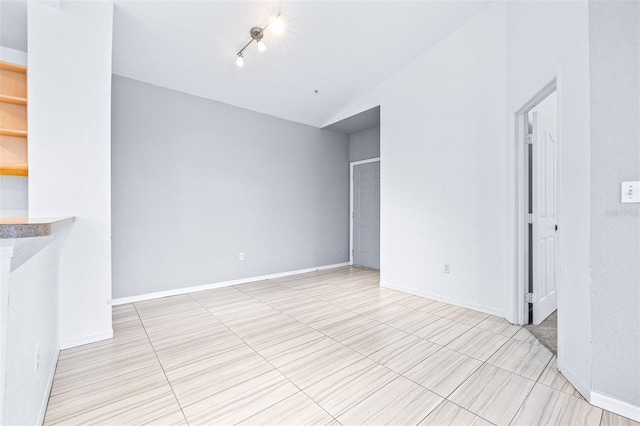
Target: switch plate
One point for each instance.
(241, 256)
(446, 268)
(630, 192)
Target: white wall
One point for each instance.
(450, 170)
(364, 145)
(32, 322)
(443, 189)
(443, 193)
(614, 29)
(535, 57)
(69, 153)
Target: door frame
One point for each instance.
(521, 129)
(352, 165)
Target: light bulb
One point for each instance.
(277, 25)
(261, 46)
(240, 61)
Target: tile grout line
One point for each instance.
(336, 341)
(382, 323)
(160, 364)
(367, 356)
(97, 406)
(267, 361)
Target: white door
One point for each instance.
(366, 215)
(545, 220)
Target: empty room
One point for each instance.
(319, 212)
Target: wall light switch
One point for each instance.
(630, 192)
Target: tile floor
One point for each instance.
(323, 348)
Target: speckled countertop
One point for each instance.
(25, 227)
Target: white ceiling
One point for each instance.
(342, 49)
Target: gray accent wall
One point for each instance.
(614, 36)
(364, 145)
(196, 182)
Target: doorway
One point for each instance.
(365, 213)
(540, 137)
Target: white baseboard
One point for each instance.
(47, 389)
(615, 406)
(449, 300)
(85, 340)
(576, 381)
(185, 290)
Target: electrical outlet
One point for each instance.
(446, 268)
(36, 360)
(241, 256)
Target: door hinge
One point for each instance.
(530, 218)
(528, 297)
(529, 139)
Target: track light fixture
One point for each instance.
(257, 34)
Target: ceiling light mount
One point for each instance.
(257, 33)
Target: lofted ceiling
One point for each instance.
(341, 49)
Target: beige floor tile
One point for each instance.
(161, 327)
(440, 309)
(349, 327)
(525, 335)
(168, 307)
(195, 341)
(124, 313)
(324, 316)
(278, 335)
(553, 378)
(195, 381)
(443, 371)
(442, 331)
(493, 394)
(157, 406)
(89, 357)
(450, 414)
(415, 302)
(345, 388)
(547, 406)
(499, 325)
(478, 344)
(400, 402)
(318, 365)
(413, 321)
(240, 402)
(385, 313)
(238, 309)
(298, 409)
(80, 374)
(260, 325)
(128, 330)
(612, 419)
(173, 419)
(195, 349)
(403, 354)
(467, 316)
(522, 358)
(169, 340)
(296, 348)
(374, 339)
(298, 305)
(78, 401)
